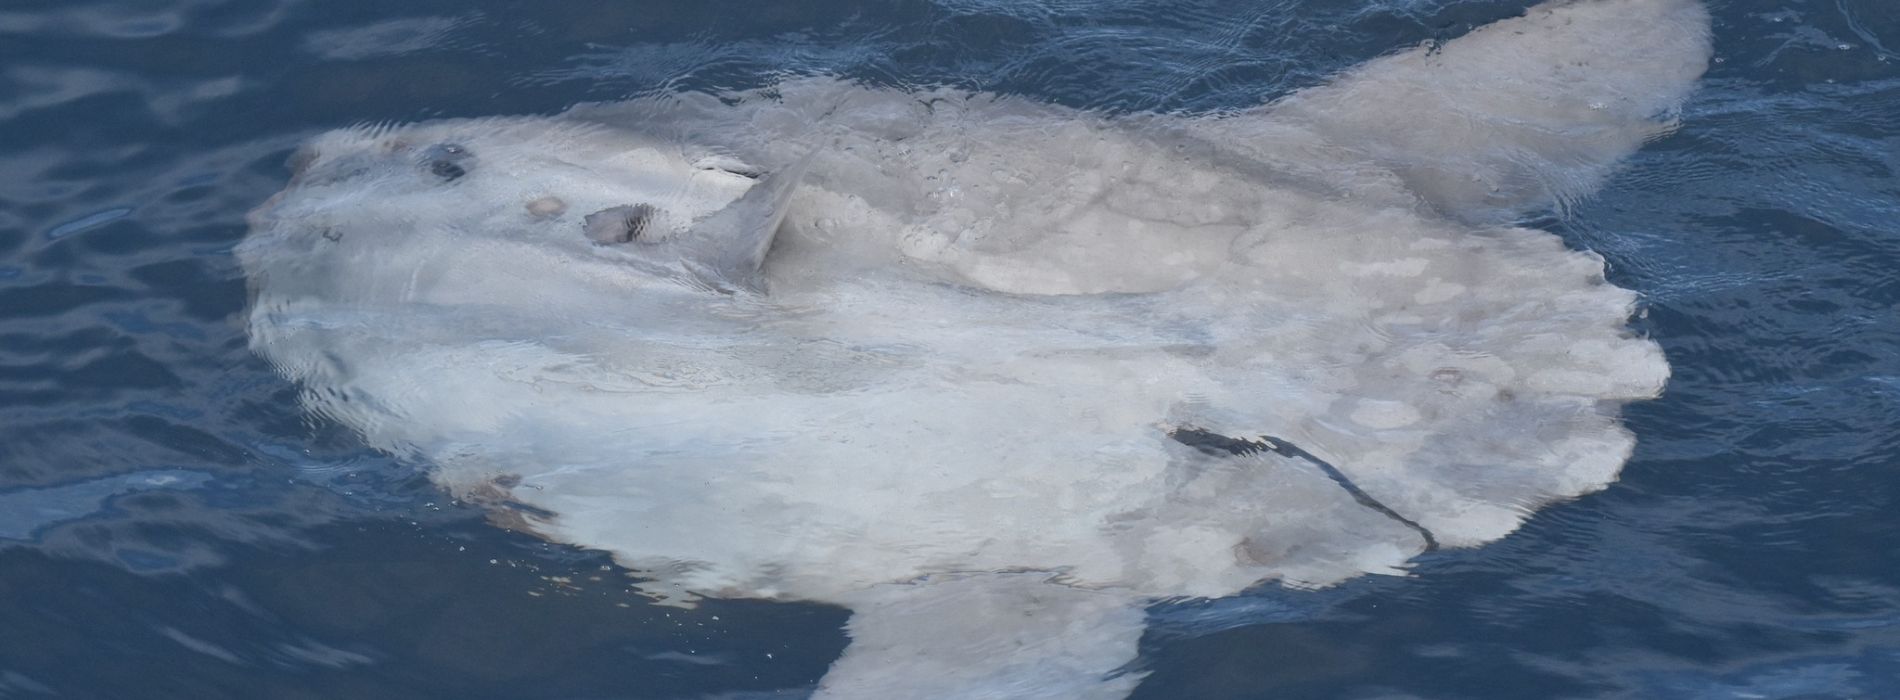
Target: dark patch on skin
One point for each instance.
(1211, 443)
(749, 173)
(332, 235)
(619, 224)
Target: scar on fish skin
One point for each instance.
(546, 207)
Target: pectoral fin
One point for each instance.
(726, 249)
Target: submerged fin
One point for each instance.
(727, 248)
(988, 635)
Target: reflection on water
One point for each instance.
(1745, 550)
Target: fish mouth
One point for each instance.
(261, 215)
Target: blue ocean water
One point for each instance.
(172, 526)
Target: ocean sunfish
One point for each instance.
(995, 374)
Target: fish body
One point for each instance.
(927, 354)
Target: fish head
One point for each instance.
(511, 212)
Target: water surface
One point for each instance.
(171, 525)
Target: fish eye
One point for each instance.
(448, 161)
(446, 170)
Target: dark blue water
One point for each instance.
(171, 526)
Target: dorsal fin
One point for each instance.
(1521, 114)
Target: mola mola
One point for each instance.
(995, 374)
